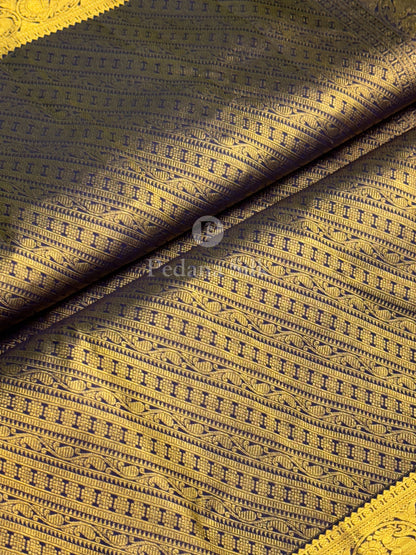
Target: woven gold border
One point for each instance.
(384, 526)
(18, 27)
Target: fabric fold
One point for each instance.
(337, 158)
(242, 400)
(120, 132)
(250, 396)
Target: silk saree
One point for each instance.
(207, 277)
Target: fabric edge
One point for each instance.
(374, 525)
(52, 25)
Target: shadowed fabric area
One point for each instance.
(164, 395)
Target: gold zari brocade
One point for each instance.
(163, 398)
(386, 525)
(22, 21)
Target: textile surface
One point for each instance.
(243, 391)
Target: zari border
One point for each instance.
(21, 21)
(384, 526)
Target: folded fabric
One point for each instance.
(173, 382)
(118, 134)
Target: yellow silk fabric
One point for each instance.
(234, 399)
